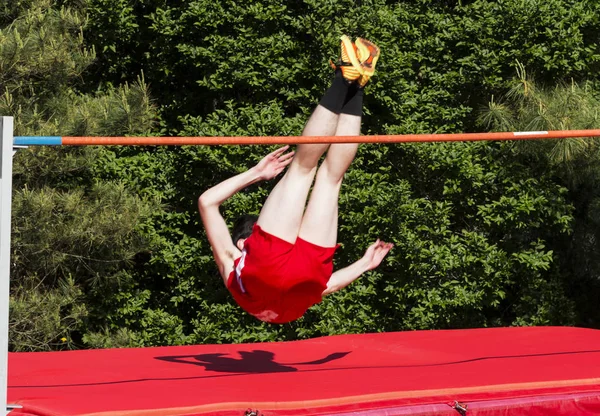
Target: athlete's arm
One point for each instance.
(372, 258)
(224, 250)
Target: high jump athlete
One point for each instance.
(279, 264)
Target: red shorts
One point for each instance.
(277, 281)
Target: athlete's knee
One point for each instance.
(330, 172)
(308, 155)
(303, 166)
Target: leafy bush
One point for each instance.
(74, 235)
(475, 226)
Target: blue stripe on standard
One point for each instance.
(37, 140)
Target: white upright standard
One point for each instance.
(6, 149)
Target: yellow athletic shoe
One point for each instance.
(368, 54)
(349, 62)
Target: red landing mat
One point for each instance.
(533, 371)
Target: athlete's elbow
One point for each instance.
(205, 201)
(331, 288)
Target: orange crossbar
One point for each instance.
(262, 140)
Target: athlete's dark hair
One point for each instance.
(242, 227)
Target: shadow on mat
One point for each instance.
(255, 361)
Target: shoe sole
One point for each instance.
(369, 49)
(349, 46)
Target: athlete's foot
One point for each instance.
(368, 54)
(349, 62)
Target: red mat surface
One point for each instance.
(533, 371)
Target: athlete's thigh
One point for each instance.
(281, 215)
(320, 220)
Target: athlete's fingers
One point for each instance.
(385, 249)
(285, 160)
(287, 156)
(279, 151)
(381, 248)
(285, 163)
(282, 165)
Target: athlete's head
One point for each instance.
(242, 228)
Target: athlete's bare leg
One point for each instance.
(281, 215)
(320, 223)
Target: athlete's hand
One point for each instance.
(274, 163)
(375, 254)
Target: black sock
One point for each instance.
(334, 97)
(353, 104)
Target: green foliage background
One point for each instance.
(484, 233)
